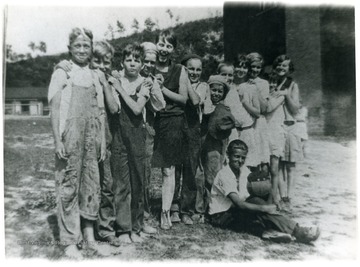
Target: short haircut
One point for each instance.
(188, 57)
(224, 64)
(236, 144)
(255, 57)
(241, 60)
(281, 59)
(167, 35)
(102, 49)
(76, 32)
(133, 49)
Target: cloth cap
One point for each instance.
(218, 79)
(189, 56)
(149, 47)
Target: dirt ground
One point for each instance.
(325, 195)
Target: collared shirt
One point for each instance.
(225, 183)
(63, 81)
(155, 96)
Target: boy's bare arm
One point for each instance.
(55, 124)
(103, 135)
(109, 98)
(271, 209)
(136, 106)
(193, 96)
(157, 101)
(182, 96)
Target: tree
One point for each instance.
(120, 27)
(42, 47)
(135, 25)
(177, 19)
(109, 34)
(8, 51)
(171, 15)
(32, 46)
(149, 24)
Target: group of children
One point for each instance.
(112, 127)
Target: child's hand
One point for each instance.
(116, 74)
(60, 151)
(284, 92)
(160, 79)
(146, 87)
(101, 76)
(64, 65)
(275, 93)
(237, 124)
(115, 83)
(271, 209)
(102, 152)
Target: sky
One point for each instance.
(52, 24)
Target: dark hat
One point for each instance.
(189, 56)
(221, 122)
(218, 79)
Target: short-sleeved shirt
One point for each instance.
(225, 183)
(63, 81)
(263, 87)
(247, 92)
(202, 90)
(232, 100)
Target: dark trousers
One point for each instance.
(128, 169)
(253, 222)
(149, 152)
(105, 223)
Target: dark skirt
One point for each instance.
(169, 143)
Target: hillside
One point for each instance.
(204, 37)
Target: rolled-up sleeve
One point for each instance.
(157, 101)
(57, 83)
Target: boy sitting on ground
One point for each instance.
(229, 207)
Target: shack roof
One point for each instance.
(26, 93)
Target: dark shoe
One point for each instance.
(198, 218)
(175, 218)
(277, 236)
(186, 219)
(306, 234)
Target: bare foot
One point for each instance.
(125, 238)
(72, 252)
(136, 238)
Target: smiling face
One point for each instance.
(241, 71)
(228, 73)
(80, 50)
(132, 66)
(194, 67)
(283, 68)
(216, 93)
(165, 49)
(149, 64)
(237, 158)
(255, 69)
(102, 63)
